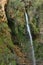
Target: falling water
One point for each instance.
(28, 29)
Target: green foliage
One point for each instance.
(38, 50)
(7, 59)
(37, 3)
(5, 39)
(34, 27)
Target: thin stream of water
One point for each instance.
(32, 48)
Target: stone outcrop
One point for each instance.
(2, 10)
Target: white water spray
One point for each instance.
(32, 48)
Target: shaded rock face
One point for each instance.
(5, 35)
(15, 11)
(16, 22)
(6, 44)
(16, 17)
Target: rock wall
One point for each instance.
(14, 38)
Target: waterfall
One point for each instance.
(28, 29)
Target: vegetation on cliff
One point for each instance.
(15, 48)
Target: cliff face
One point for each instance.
(5, 36)
(14, 38)
(41, 25)
(7, 47)
(15, 14)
